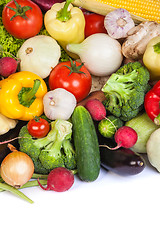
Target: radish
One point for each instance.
(96, 109)
(8, 65)
(125, 137)
(60, 179)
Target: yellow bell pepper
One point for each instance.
(151, 58)
(21, 96)
(65, 23)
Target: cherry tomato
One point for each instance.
(38, 127)
(67, 75)
(22, 18)
(94, 24)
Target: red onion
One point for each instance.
(45, 5)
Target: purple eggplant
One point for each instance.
(122, 161)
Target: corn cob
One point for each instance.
(140, 10)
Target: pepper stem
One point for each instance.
(27, 95)
(157, 120)
(156, 48)
(64, 14)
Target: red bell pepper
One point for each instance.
(94, 23)
(152, 103)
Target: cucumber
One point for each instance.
(86, 145)
(108, 126)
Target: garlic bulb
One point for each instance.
(59, 104)
(118, 23)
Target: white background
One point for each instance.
(112, 207)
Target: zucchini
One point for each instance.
(86, 145)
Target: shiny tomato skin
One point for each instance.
(79, 84)
(19, 27)
(38, 128)
(94, 23)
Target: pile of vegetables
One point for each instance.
(53, 125)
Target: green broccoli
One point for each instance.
(69, 160)
(33, 148)
(48, 153)
(52, 156)
(125, 90)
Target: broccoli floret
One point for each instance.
(125, 90)
(48, 153)
(69, 160)
(33, 147)
(52, 156)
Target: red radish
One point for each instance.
(96, 109)
(60, 179)
(8, 65)
(125, 137)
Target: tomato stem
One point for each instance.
(74, 68)
(19, 11)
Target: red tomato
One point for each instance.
(79, 84)
(94, 24)
(38, 127)
(24, 25)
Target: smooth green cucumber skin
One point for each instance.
(86, 145)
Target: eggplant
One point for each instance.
(122, 161)
(12, 133)
(45, 5)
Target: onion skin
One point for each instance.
(17, 168)
(45, 5)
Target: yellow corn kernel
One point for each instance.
(140, 10)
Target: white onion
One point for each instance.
(100, 54)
